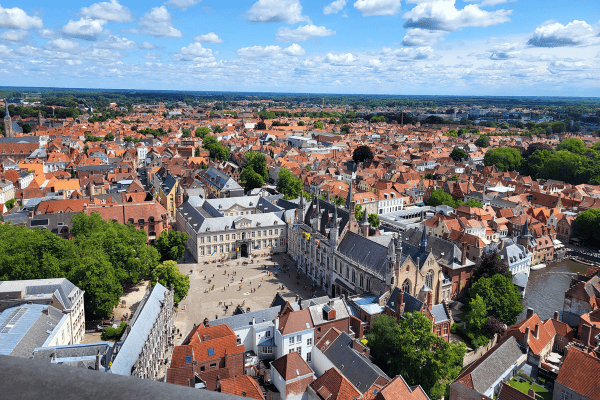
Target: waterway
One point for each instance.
(546, 288)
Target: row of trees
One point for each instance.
(100, 259)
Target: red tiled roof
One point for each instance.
(546, 333)
(332, 385)
(243, 386)
(508, 392)
(328, 338)
(398, 389)
(291, 366)
(295, 321)
(580, 372)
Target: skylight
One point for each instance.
(211, 352)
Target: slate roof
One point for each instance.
(328, 210)
(241, 321)
(485, 371)
(411, 303)
(439, 313)
(361, 372)
(61, 287)
(452, 254)
(134, 342)
(368, 252)
(316, 312)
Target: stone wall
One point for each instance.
(475, 355)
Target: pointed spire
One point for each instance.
(328, 196)
(349, 199)
(301, 204)
(365, 219)
(7, 114)
(335, 217)
(525, 231)
(423, 246)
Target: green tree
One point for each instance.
(257, 162)
(458, 154)
(501, 297)
(429, 176)
(504, 158)
(558, 126)
(374, 220)
(439, 197)
(587, 226)
(475, 320)
(27, 128)
(288, 184)
(202, 131)
(339, 201)
(261, 126)
(409, 348)
(10, 204)
(318, 125)
(186, 133)
(168, 274)
(468, 203)
(218, 129)
(197, 152)
(109, 137)
(454, 178)
(359, 213)
(573, 145)
(250, 179)
(489, 265)
(171, 245)
(483, 141)
(301, 123)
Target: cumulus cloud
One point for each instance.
(196, 53)
(339, 59)
(370, 8)
(14, 36)
(334, 7)
(555, 34)
(490, 3)
(107, 10)
(209, 38)
(288, 11)
(294, 50)
(157, 22)
(47, 34)
(442, 15)
(84, 29)
(117, 42)
(505, 51)
(16, 18)
(63, 45)
(301, 33)
(422, 37)
(183, 4)
(409, 54)
(147, 46)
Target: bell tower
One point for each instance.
(8, 128)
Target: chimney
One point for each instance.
(463, 259)
(526, 335)
(400, 305)
(586, 335)
(556, 316)
(531, 393)
(536, 331)
(98, 358)
(529, 312)
(430, 299)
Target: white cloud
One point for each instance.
(62, 45)
(157, 22)
(490, 3)
(117, 42)
(84, 29)
(505, 51)
(196, 53)
(302, 33)
(107, 10)
(209, 38)
(409, 54)
(288, 11)
(370, 8)
(16, 18)
(339, 59)
(555, 34)
(14, 36)
(147, 46)
(334, 7)
(47, 34)
(183, 4)
(442, 15)
(422, 37)
(294, 50)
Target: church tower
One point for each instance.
(8, 128)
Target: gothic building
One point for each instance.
(8, 125)
(342, 257)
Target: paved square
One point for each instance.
(214, 286)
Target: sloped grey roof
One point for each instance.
(490, 367)
(316, 311)
(439, 313)
(245, 320)
(355, 367)
(451, 253)
(142, 325)
(366, 251)
(62, 287)
(411, 303)
(328, 211)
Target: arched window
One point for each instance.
(368, 284)
(353, 276)
(429, 279)
(361, 281)
(406, 286)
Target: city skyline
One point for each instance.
(443, 47)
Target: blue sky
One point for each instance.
(446, 47)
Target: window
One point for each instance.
(267, 350)
(227, 237)
(353, 276)
(277, 232)
(309, 342)
(429, 279)
(213, 365)
(202, 239)
(299, 338)
(253, 233)
(270, 242)
(215, 238)
(268, 334)
(564, 396)
(208, 239)
(308, 357)
(291, 351)
(202, 369)
(292, 340)
(211, 351)
(188, 359)
(201, 250)
(221, 248)
(227, 248)
(299, 350)
(259, 232)
(282, 242)
(214, 248)
(221, 238)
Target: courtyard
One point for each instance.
(217, 288)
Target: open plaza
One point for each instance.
(217, 288)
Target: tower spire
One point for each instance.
(423, 246)
(349, 199)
